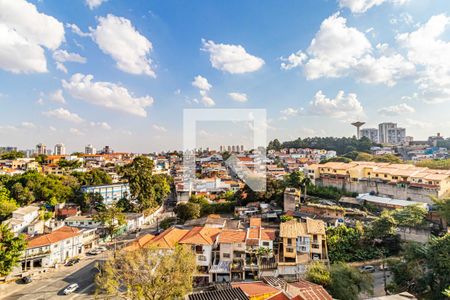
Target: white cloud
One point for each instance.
(28, 125)
(117, 37)
(343, 106)
(159, 128)
(64, 114)
(76, 131)
(426, 49)
(239, 97)
(361, 6)
(102, 125)
(289, 112)
(335, 49)
(106, 94)
(57, 96)
(51, 128)
(233, 59)
(63, 56)
(94, 3)
(201, 83)
(75, 29)
(23, 33)
(294, 60)
(396, 110)
(417, 123)
(338, 50)
(207, 101)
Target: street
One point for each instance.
(50, 285)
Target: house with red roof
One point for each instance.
(48, 250)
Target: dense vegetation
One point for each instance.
(11, 249)
(340, 145)
(341, 280)
(442, 164)
(424, 269)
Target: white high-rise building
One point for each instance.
(59, 149)
(41, 149)
(396, 136)
(370, 133)
(89, 149)
(383, 132)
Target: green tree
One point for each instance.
(286, 218)
(139, 176)
(382, 227)
(7, 204)
(274, 145)
(93, 177)
(438, 262)
(148, 274)
(410, 216)
(319, 273)
(12, 155)
(347, 282)
(443, 207)
(187, 211)
(11, 249)
(112, 219)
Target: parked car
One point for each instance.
(27, 279)
(102, 249)
(72, 261)
(367, 269)
(93, 252)
(71, 288)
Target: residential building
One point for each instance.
(109, 192)
(383, 131)
(22, 217)
(370, 133)
(229, 256)
(396, 136)
(47, 250)
(305, 290)
(399, 181)
(201, 240)
(300, 243)
(81, 222)
(90, 150)
(41, 149)
(59, 149)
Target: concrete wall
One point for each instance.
(381, 189)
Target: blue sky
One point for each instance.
(120, 73)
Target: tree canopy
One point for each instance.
(162, 275)
(11, 249)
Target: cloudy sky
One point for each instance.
(120, 73)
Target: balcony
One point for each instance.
(37, 254)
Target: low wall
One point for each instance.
(379, 188)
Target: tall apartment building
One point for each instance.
(41, 149)
(396, 136)
(89, 149)
(370, 133)
(383, 131)
(59, 149)
(389, 133)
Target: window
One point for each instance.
(289, 250)
(198, 249)
(266, 244)
(202, 258)
(226, 255)
(289, 242)
(68, 242)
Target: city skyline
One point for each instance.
(120, 74)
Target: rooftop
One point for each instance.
(60, 234)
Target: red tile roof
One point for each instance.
(201, 236)
(139, 243)
(232, 236)
(268, 235)
(169, 238)
(60, 234)
(256, 288)
(280, 296)
(310, 291)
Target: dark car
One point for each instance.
(27, 279)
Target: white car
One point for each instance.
(71, 288)
(101, 249)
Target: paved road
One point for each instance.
(51, 285)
